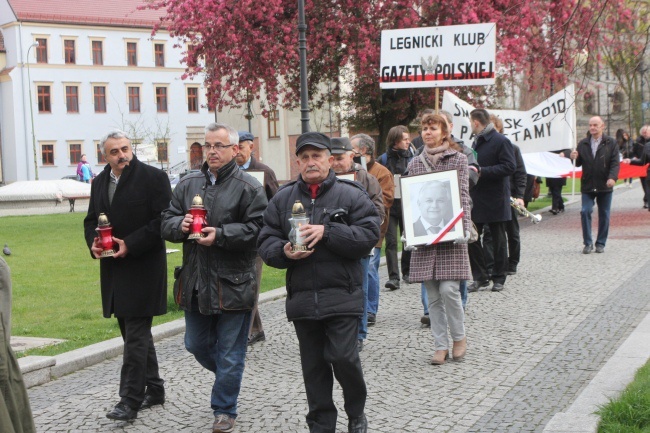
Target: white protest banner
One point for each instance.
(462, 55)
(547, 127)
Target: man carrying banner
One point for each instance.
(491, 199)
(598, 156)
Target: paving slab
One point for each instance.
(533, 350)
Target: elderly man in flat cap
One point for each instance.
(324, 283)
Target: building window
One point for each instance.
(193, 99)
(99, 99)
(44, 99)
(159, 54)
(47, 154)
(161, 99)
(617, 102)
(134, 99)
(162, 152)
(132, 53)
(72, 98)
(98, 52)
(69, 51)
(274, 119)
(100, 155)
(41, 50)
(75, 153)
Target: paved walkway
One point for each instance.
(531, 349)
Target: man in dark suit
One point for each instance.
(247, 162)
(134, 281)
(434, 205)
(491, 198)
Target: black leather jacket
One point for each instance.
(596, 170)
(329, 281)
(223, 274)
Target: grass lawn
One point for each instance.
(56, 283)
(630, 413)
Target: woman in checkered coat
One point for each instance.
(442, 266)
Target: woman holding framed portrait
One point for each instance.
(442, 263)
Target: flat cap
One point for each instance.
(341, 145)
(245, 136)
(316, 139)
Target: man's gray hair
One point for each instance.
(448, 116)
(116, 133)
(365, 141)
(233, 135)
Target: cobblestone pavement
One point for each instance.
(531, 349)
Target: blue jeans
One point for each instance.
(363, 324)
(425, 299)
(604, 202)
(373, 282)
(218, 342)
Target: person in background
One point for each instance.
(637, 152)
(364, 147)
(246, 161)
(80, 164)
(626, 147)
(598, 156)
(343, 163)
(396, 159)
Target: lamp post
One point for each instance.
(302, 47)
(31, 110)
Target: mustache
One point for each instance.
(121, 160)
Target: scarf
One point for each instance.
(488, 128)
(433, 154)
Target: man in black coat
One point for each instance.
(134, 281)
(598, 156)
(637, 152)
(491, 199)
(246, 161)
(324, 283)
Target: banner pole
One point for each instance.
(437, 99)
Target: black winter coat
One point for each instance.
(222, 274)
(491, 196)
(135, 285)
(328, 282)
(596, 170)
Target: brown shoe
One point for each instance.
(223, 424)
(440, 357)
(460, 347)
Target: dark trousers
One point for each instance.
(644, 184)
(326, 346)
(139, 362)
(499, 247)
(556, 197)
(514, 244)
(256, 321)
(391, 249)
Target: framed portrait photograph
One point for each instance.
(348, 176)
(431, 208)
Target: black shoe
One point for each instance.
(359, 345)
(476, 285)
(600, 248)
(151, 399)
(425, 320)
(554, 212)
(392, 284)
(254, 338)
(122, 412)
(372, 319)
(405, 278)
(358, 425)
(645, 205)
(512, 271)
(587, 249)
(497, 287)
(560, 210)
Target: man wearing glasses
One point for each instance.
(216, 284)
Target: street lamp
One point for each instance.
(302, 47)
(31, 110)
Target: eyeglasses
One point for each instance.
(217, 146)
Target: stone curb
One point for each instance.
(608, 384)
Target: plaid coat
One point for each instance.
(445, 261)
